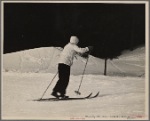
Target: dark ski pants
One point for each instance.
(64, 75)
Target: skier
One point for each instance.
(66, 60)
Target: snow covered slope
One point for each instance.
(131, 62)
(120, 98)
(26, 75)
(33, 60)
(45, 60)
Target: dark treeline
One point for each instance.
(110, 28)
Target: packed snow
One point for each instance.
(26, 75)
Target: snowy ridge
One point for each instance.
(45, 59)
(33, 60)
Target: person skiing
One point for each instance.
(65, 61)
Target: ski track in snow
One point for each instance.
(119, 96)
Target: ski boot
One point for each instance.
(63, 97)
(58, 95)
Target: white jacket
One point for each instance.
(69, 52)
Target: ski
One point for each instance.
(67, 99)
(97, 94)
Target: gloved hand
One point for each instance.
(90, 49)
(85, 55)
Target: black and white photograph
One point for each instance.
(74, 60)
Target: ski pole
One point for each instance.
(48, 86)
(77, 92)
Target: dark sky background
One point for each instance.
(110, 28)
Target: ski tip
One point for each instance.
(89, 95)
(96, 94)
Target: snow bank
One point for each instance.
(45, 59)
(33, 60)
